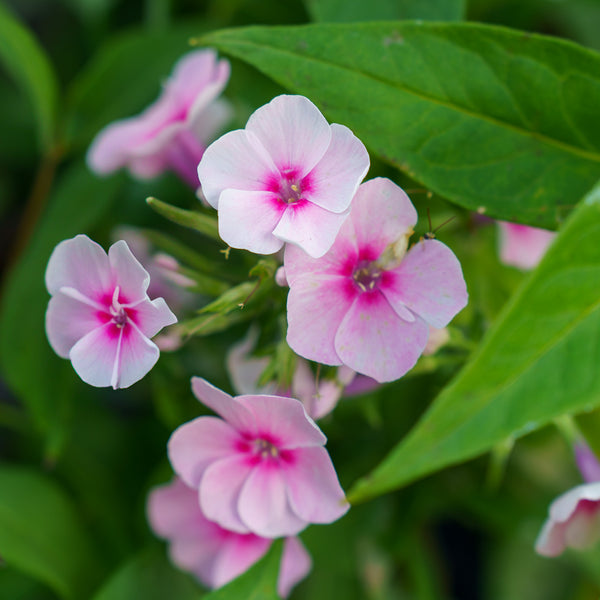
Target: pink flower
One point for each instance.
(288, 177)
(213, 554)
(262, 469)
(574, 521)
(522, 246)
(368, 303)
(173, 132)
(100, 315)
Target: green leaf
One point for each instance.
(346, 11)
(45, 382)
(539, 361)
(492, 119)
(123, 78)
(27, 63)
(205, 224)
(258, 583)
(41, 534)
(151, 577)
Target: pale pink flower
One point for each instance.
(100, 315)
(523, 246)
(574, 521)
(288, 176)
(262, 469)
(368, 303)
(318, 398)
(172, 133)
(213, 554)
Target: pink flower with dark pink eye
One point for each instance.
(368, 303)
(288, 176)
(172, 133)
(573, 522)
(260, 469)
(213, 554)
(100, 315)
(523, 246)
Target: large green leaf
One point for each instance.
(539, 361)
(490, 118)
(346, 11)
(41, 534)
(258, 583)
(27, 63)
(43, 381)
(151, 577)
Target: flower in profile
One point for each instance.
(260, 469)
(100, 315)
(172, 133)
(368, 303)
(288, 176)
(573, 522)
(213, 554)
(522, 246)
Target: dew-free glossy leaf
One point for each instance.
(540, 360)
(492, 119)
(347, 11)
(41, 534)
(25, 60)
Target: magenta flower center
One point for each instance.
(265, 449)
(291, 187)
(366, 276)
(119, 315)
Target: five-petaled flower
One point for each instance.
(213, 554)
(100, 315)
(288, 176)
(368, 303)
(522, 246)
(172, 133)
(261, 469)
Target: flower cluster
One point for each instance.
(359, 298)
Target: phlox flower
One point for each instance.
(172, 133)
(522, 246)
(573, 522)
(368, 303)
(288, 176)
(213, 554)
(260, 469)
(100, 315)
(319, 399)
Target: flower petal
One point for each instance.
(220, 489)
(82, 264)
(234, 412)
(263, 504)
(336, 177)
(523, 246)
(310, 227)
(152, 316)
(195, 445)
(381, 214)
(137, 356)
(284, 420)
(293, 131)
(295, 566)
(429, 282)
(313, 489)
(130, 275)
(315, 309)
(374, 341)
(247, 220)
(238, 161)
(67, 321)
